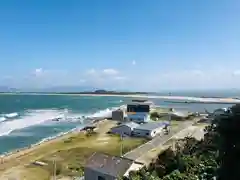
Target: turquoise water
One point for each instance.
(35, 112)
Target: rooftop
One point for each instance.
(152, 125)
(107, 164)
(139, 100)
(130, 124)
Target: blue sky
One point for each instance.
(120, 44)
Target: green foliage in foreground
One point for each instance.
(193, 160)
(217, 156)
(199, 160)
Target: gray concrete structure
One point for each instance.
(125, 128)
(118, 115)
(106, 167)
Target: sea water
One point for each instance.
(28, 119)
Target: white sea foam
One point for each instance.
(32, 118)
(36, 117)
(2, 119)
(11, 115)
(106, 113)
(40, 116)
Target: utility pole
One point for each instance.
(54, 169)
(170, 120)
(121, 145)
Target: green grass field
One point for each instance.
(69, 152)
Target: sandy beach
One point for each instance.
(144, 96)
(51, 140)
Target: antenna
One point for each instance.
(170, 119)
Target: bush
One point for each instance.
(155, 115)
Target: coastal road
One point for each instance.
(157, 141)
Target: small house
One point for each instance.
(139, 111)
(151, 129)
(106, 167)
(125, 128)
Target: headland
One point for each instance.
(146, 95)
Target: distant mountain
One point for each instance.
(64, 89)
(7, 89)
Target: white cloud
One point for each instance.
(236, 73)
(38, 71)
(105, 78)
(91, 71)
(120, 78)
(110, 72)
(199, 78)
(197, 72)
(133, 62)
(82, 80)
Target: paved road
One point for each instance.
(157, 141)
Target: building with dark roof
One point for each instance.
(125, 128)
(106, 167)
(150, 129)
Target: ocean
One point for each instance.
(27, 119)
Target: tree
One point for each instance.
(228, 144)
(155, 115)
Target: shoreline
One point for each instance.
(176, 98)
(7, 156)
(15, 153)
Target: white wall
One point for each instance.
(157, 131)
(148, 133)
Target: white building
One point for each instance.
(125, 128)
(150, 130)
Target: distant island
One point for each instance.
(105, 92)
(96, 92)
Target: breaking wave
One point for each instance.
(11, 115)
(30, 119)
(37, 117)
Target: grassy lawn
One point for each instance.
(70, 155)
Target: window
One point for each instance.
(147, 134)
(138, 108)
(101, 178)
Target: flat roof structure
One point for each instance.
(141, 103)
(152, 125)
(130, 124)
(139, 100)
